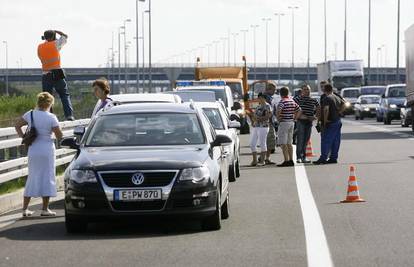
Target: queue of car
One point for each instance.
(150, 155)
(385, 103)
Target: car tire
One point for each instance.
(225, 208)
(361, 118)
(238, 168)
(356, 118)
(213, 222)
(75, 225)
(232, 172)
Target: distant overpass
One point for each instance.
(159, 73)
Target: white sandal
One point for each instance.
(48, 212)
(27, 213)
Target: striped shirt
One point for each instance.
(307, 105)
(287, 107)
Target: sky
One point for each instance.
(180, 26)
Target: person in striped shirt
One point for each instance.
(287, 112)
(310, 108)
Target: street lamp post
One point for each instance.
(398, 42)
(379, 50)
(369, 43)
(266, 20)
(235, 46)
(254, 50)
(137, 37)
(279, 15)
(309, 40)
(119, 58)
(7, 66)
(143, 48)
(244, 41)
(125, 55)
(325, 26)
(293, 43)
(150, 45)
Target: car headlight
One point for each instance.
(195, 174)
(83, 176)
(347, 104)
(366, 109)
(393, 106)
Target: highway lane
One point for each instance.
(265, 227)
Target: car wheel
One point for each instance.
(225, 208)
(238, 168)
(356, 118)
(361, 118)
(75, 225)
(232, 172)
(213, 222)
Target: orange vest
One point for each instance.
(49, 56)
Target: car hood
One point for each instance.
(142, 158)
(396, 100)
(369, 105)
(351, 100)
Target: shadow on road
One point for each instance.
(38, 228)
(369, 136)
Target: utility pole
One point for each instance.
(398, 42)
(279, 15)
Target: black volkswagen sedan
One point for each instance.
(146, 160)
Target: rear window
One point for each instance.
(220, 94)
(396, 92)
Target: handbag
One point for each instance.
(30, 134)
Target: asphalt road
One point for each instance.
(266, 226)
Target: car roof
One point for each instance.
(351, 88)
(208, 104)
(155, 97)
(149, 108)
(203, 87)
(364, 96)
(196, 96)
(396, 85)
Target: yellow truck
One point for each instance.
(234, 77)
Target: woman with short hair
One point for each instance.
(41, 181)
(101, 90)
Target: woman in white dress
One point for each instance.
(41, 181)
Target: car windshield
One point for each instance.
(213, 115)
(351, 93)
(220, 94)
(236, 90)
(342, 82)
(370, 100)
(372, 90)
(146, 129)
(396, 92)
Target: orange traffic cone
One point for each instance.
(353, 192)
(309, 150)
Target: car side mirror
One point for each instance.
(79, 131)
(221, 140)
(234, 125)
(69, 142)
(236, 106)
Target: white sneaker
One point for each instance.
(27, 213)
(48, 212)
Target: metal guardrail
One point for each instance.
(12, 168)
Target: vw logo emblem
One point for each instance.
(138, 178)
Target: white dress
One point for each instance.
(41, 181)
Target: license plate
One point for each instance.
(137, 194)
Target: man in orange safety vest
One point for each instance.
(53, 77)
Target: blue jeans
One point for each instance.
(331, 141)
(304, 130)
(48, 84)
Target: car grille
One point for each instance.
(124, 179)
(138, 205)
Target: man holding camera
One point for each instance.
(53, 75)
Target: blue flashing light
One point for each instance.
(217, 83)
(184, 83)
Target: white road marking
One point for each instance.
(381, 129)
(317, 248)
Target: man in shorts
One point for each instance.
(287, 112)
